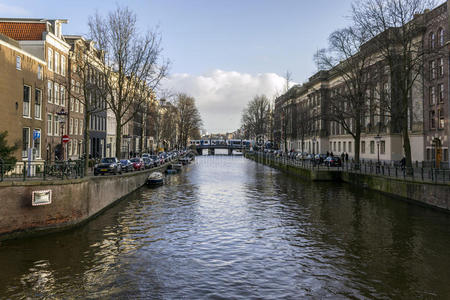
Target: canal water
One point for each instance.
(228, 228)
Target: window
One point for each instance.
(26, 101)
(363, 147)
(382, 147)
(37, 103)
(40, 72)
(77, 105)
(72, 103)
(71, 126)
(441, 67)
(350, 147)
(76, 127)
(339, 146)
(441, 119)
(18, 63)
(441, 92)
(63, 65)
(50, 91)
(69, 148)
(432, 69)
(56, 62)
(50, 59)
(56, 125)
(432, 95)
(432, 40)
(72, 85)
(63, 96)
(25, 141)
(345, 147)
(81, 107)
(441, 37)
(75, 148)
(432, 121)
(372, 147)
(37, 144)
(56, 93)
(81, 127)
(445, 157)
(49, 124)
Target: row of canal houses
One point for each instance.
(41, 98)
(428, 116)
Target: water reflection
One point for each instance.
(230, 228)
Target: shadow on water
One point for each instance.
(227, 227)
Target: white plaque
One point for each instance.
(41, 197)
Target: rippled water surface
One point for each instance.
(228, 228)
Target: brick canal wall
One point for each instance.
(73, 201)
(429, 194)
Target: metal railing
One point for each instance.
(417, 173)
(25, 170)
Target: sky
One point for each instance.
(222, 52)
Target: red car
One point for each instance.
(138, 163)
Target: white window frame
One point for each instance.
(27, 113)
(50, 59)
(39, 72)
(18, 62)
(81, 126)
(56, 93)
(25, 152)
(62, 99)
(75, 131)
(71, 126)
(38, 104)
(50, 91)
(55, 125)
(49, 128)
(63, 65)
(57, 62)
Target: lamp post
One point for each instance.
(62, 119)
(378, 139)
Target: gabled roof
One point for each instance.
(22, 31)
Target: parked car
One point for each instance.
(144, 155)
(138, 163)
(320, 158)
(127, 165)
(107, 165)
(333, 161)
(148, 163)
(156, 160)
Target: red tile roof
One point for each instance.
(23, 31)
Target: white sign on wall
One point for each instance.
(41, 197)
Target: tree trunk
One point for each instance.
(118, 138)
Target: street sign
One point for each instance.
(65, 138)
(36, 134)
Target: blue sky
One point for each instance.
(217, 40)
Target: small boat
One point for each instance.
(155, 178)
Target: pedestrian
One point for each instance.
(346, 156)
(328, 153)
(403, 163)
(331, 154)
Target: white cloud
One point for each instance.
(221, 96)
(13, 10)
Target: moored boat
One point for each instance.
(155, 178)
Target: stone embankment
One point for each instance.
(436, 195)
(73, 202)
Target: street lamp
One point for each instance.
(62, 119)
(378, 139)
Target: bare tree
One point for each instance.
(256, 117)
(304, 123)
(133, 64)
(189, 119)
(394, 27)
(350, 63)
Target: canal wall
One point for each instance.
(429, 194)
(73, 202)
